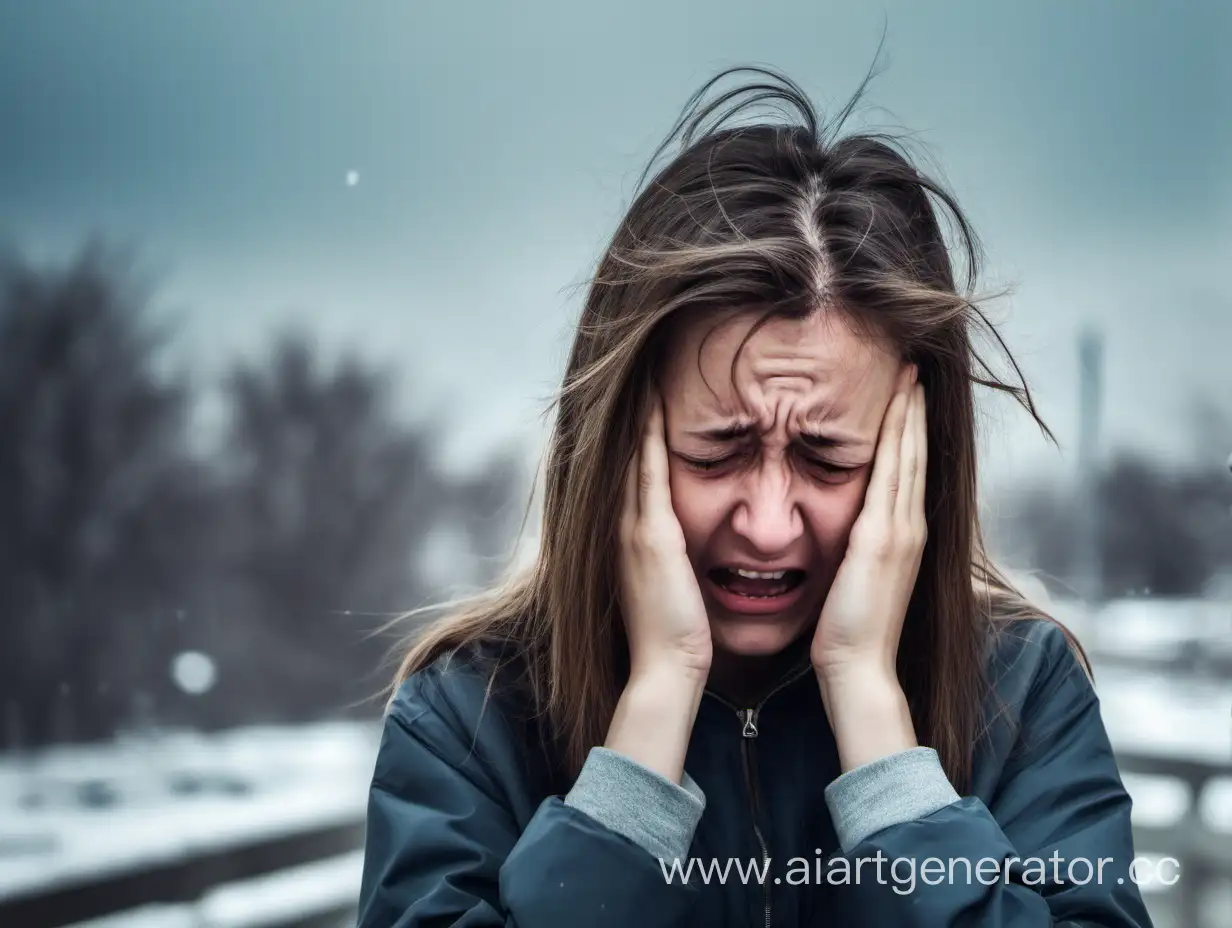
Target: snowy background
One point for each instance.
(284, 288)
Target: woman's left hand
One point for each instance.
(862, 618)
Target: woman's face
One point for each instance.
(768, 472)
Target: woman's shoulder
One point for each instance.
(1029, 647)
(463, 684)
(470, 707)
(1036, 667)
(454, 683)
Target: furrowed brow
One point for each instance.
(736, 431)
(824, 441)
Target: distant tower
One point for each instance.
(1090, 389)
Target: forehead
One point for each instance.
(818, 365)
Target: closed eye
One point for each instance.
(836, 472)
(827, 466)
(707, 464)
(814, 464)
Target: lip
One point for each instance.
(744, 605)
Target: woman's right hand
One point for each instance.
(664, 614)
(665, 617)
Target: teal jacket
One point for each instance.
(471, 823)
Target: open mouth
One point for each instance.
(757, 584)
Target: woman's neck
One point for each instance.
(746, 680)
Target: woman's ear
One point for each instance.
(907, 373)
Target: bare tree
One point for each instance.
(330, 500)
(1164, 529)
(278, 552)
(97, 495)
(490, 508)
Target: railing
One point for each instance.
(206, 880)
(1191, 659)
(1204, 856)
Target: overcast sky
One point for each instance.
(495, 145)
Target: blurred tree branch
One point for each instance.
(1165, 529)
(96, 489)
(122, 544)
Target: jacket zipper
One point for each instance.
(748, 731)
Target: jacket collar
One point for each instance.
(797, 671)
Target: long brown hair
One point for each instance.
(794, 218)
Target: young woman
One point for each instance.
(762, 671)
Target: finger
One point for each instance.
(921, 480)
(629, 500)
(883, 482)
(907, 463)
(654, 495)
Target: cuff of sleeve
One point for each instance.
(888, 791)
(646, 807)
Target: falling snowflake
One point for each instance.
(352, 178)
(193, 672)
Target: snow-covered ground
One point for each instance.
(73, 812)
(70, 812)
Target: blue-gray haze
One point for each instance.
(426, 180)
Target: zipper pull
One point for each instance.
(750, 723)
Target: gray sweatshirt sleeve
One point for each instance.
(646, 807)
(888, 791)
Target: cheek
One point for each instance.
(699, 505)
(831, 512)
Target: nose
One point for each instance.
(767, 515)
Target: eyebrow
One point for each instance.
(824, 440)
(740, 430)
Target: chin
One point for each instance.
(746, 636)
